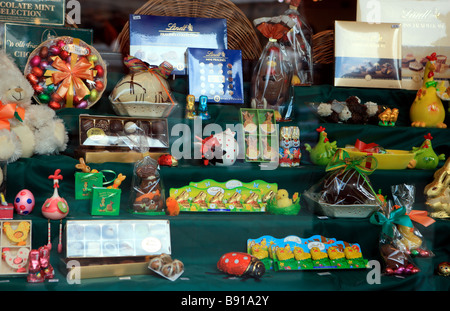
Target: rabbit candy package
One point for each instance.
(298, 45)
(270, 87)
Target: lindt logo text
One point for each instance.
(420, 16)
(174, 27)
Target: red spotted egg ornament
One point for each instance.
(241, 264)
(24, 202)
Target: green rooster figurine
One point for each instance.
(425, 158)
(322, 153)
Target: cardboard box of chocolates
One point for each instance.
(117, 238)
(121, 139)
(260, 135)
(105, 248)
(425, 27)
(155, 39)
(217, 74)
(367, 55)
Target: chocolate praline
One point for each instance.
(116, 126)
(86, 124)
(102, 124)
(158, 127)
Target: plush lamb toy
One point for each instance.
(25, 128)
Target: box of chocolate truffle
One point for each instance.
(367, 55)
(106, 248)
(121, 139)
(216, 74)
(117, 238)
(155, 39)
(425, 27)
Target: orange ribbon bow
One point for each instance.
(421, 217)
(70, 79)
(9, 111)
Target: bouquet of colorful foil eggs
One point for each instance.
(66, 72)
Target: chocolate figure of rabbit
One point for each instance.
(149, 192)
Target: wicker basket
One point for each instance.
(241, 34)
(323, 47)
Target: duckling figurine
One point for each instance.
(324, 151)
(281, 204)
(283, 199)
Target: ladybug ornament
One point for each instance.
(241, 264)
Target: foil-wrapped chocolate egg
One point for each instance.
(43, 52)
(35, 61)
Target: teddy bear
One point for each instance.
(26, 128)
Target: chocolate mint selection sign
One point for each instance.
(49, 12)
(20, 40)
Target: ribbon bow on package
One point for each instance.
(368, 148)
(388, 222)
(69, 77)
(10, 111)
(347, 181)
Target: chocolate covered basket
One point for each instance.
(66, 72)
(144, 91)
(346, 191)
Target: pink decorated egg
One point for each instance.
(24, 202)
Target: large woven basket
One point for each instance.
(241, 33)
(323, 47)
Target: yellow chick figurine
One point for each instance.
(283, 199)
(284, 253)
(317, 254)
(334, 253)
(352, 252)
(281, 204)
(259, 252)
(300, 254)
(427, 109)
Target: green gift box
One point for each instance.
(105, 201)
(84, 183)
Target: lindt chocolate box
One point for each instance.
(121, 139)
(155, 39)
(425, 26)
(367, 55)
(216, 74)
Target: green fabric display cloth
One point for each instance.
(200, 239)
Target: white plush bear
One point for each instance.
(34, 128)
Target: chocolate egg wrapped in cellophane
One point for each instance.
(346, 190)
(144, 91)
(272, 74)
